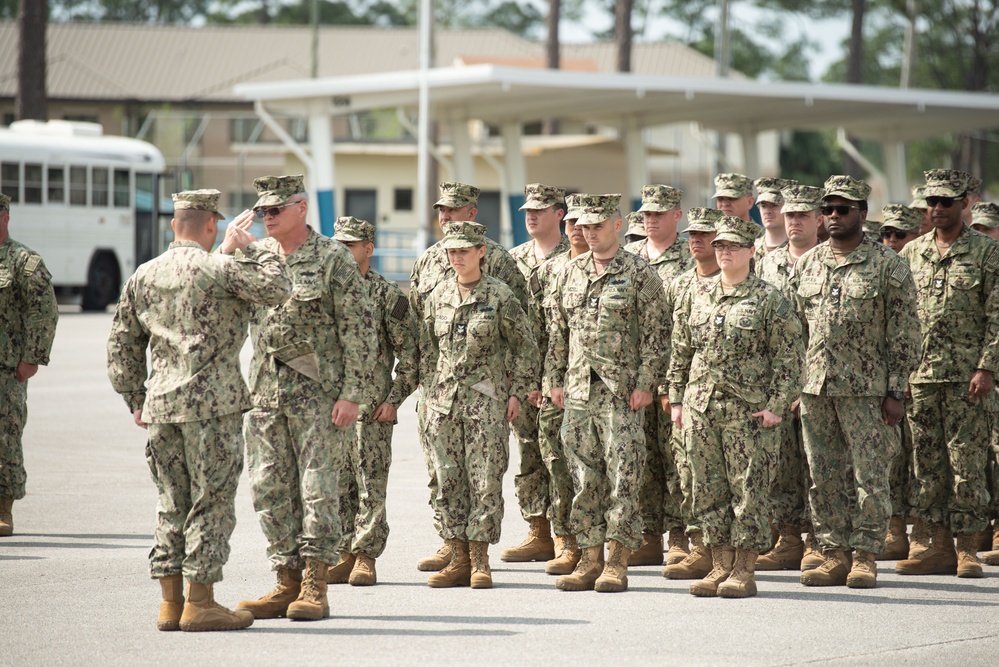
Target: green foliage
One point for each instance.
(809, 157)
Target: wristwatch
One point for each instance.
(897, 395)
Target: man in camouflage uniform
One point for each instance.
(919, 201)
(457, 202)
(669, 254)
(545, 208)
(791, 478)
(608, 342)
(769, 200)
(734, 370)
(974, 196)
(479, 341)
(191, 310)
(28, 316)
(311, 369)
(365, 479)
(636, 228)
(957, 274)
(734, 195)
(857, 300)
(985, 219)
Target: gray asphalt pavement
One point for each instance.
(75, 589)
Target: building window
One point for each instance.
(81, 117)
(298, 128)
(241, 201)
(243, 130)
(403, 199)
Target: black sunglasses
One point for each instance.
(946, 202)
(897, 233)
(272, 211)
(841, 209)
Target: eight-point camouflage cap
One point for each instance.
(902, 218)
(276, 190)
(463, 234)
(636, 225)
(573, 208)
(660, 198)
(985, 214)
(457, 195)
(349, 228)
(771, 189)
(539, 196)
(733, 186)
(919, 197)
(871, 226)
(736, 230)
(946, 183)
(597, 208)
(847, 187)
(974, 184)
(801, 198)
(4, 202)
(198, 200)
(700, 219)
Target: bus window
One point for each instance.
(10, 180)
(32, 184)
(99, 193)
(78, 186)
(122, 188)
(57, 185)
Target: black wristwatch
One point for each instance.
(897, 395)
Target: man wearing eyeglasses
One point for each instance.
(857, 300)
(957, 275)
(312, 357)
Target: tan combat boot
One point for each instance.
(722, 562)
(340, 573)
(786, 554)
(567, 555)
(312, 603)
(992, 557)
(896, 541)
(458, 572)
(6, 517)
(812, 556)
(482, 576)
(587, 571)
(834, 570)
(696, 565)
(438, 561)
(275, 603)
(919, 540)
(203, 614)
(939, 558)
(614, 578)
(983, 538)
(363, 573)
(172, 606)
(651, 551)
(968, 566)
(538, 545)
(678, 546)
(864, 573)
(741, 583)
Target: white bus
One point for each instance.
(87, 203)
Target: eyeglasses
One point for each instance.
(841, 209)
(946, 202)
(272, 211)
(897, 233)
(729, 247)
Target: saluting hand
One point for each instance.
(237, 234)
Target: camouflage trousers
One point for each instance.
(363, 487)
(791, 480)
(196, 468)
(427, 446)
(605, 448)
(660, 497)
(679, 448)
(950, 442)
(849, 450)
(994, 462)
(900, 476)
(295, 459)
(731, 459)
(532, 482)
(471, 454)
(13, 415)
(553, 454)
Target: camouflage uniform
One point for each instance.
(959, 311)
(195, 398)
(314, 349)
(658, 507)
(471, 346)
(733, 355)
(636, 226)
(608, 337)
(364, 482)
(769, 190)
(431, 269)
(860, 326)
(28, 316)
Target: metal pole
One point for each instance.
(423, 128)
(314, 19)
(721, 70)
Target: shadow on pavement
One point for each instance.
(312, 629)
(470, 620)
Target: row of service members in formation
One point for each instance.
(621, 441)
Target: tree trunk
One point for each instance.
(622, 34)
(550, 126)
(855, 72)
(32, 102)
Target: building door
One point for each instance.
(362, 204)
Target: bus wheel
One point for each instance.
(103, 282)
